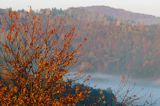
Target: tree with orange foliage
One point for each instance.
(35, 56)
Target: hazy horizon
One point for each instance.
(144, 6)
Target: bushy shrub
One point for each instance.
(34, 61)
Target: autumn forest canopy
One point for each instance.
(116, 44)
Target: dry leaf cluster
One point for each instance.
(35, 56)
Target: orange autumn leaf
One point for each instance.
(15, 89)
(77, 88)
(80, 95)
(9, 37)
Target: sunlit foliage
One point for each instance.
(35, 56)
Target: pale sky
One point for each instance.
(151, 7)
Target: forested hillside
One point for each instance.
(116, 44)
